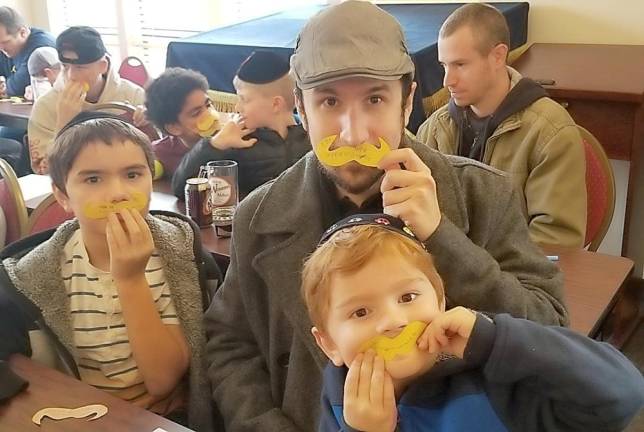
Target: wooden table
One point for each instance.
(50, 388)
(592, 282)
(14, 115)
(35, 188)
(602, 87)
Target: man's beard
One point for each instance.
(370, 177)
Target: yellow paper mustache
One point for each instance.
(100, 210)
(365, 154)
(208, 123)
(388, 348)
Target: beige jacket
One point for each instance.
(541, 149)
(42, 123)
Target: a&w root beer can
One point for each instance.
(198, 205)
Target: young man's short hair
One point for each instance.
(165, 96)
(347, 251)
(488, 25)
(11, 20)
(71, 140)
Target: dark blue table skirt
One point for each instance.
(218, 53)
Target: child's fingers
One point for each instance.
(366, 370)
(388, 395)
(249, 142)
(377, 382)
(353, 378)
(133, 231)
(118, 234)
(109, 236)
(423, 340)
(146, 234)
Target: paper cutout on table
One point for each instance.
(365, 154)
(208, 123)
(388, 348)
(100, 210)
(96, 411)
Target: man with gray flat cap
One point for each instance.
(354, 79)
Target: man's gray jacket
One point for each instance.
(264, 366)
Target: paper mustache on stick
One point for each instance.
(365, 154)
(404, 343)
(208, 123)
(95, 411)
(100, 210)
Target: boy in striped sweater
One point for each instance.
(119, 288)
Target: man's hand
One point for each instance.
(410, 194)
(70, 102)
(3, 86)
(139, 117)
(449, 332)
(232, 136)
(29, 93)
(130, 243)
(369, 400)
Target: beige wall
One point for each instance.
(580, 21)
(34, 11)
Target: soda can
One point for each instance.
(198, 205)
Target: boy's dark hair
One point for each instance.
(11, 20)
(165, 96)
(87, 128)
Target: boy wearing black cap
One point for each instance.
(354, 92)
(88, 79)
(399, 361)
(264, 139)
(188, 119)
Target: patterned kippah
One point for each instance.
(262, 67)
(385, 221)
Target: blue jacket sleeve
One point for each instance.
(554, 379)
(332, 400)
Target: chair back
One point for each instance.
(48, 214)
(133, 69)
(600, 190)
(13, 203)
(223, 101)
(126, 112)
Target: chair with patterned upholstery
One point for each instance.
(223, 102)
(600, 190)
(13, 203)
(133, 69)
(126, 111)
(48, 214)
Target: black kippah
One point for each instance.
(382, 220)
(84, 116)
(262, 67)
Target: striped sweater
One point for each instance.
(39, 276)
